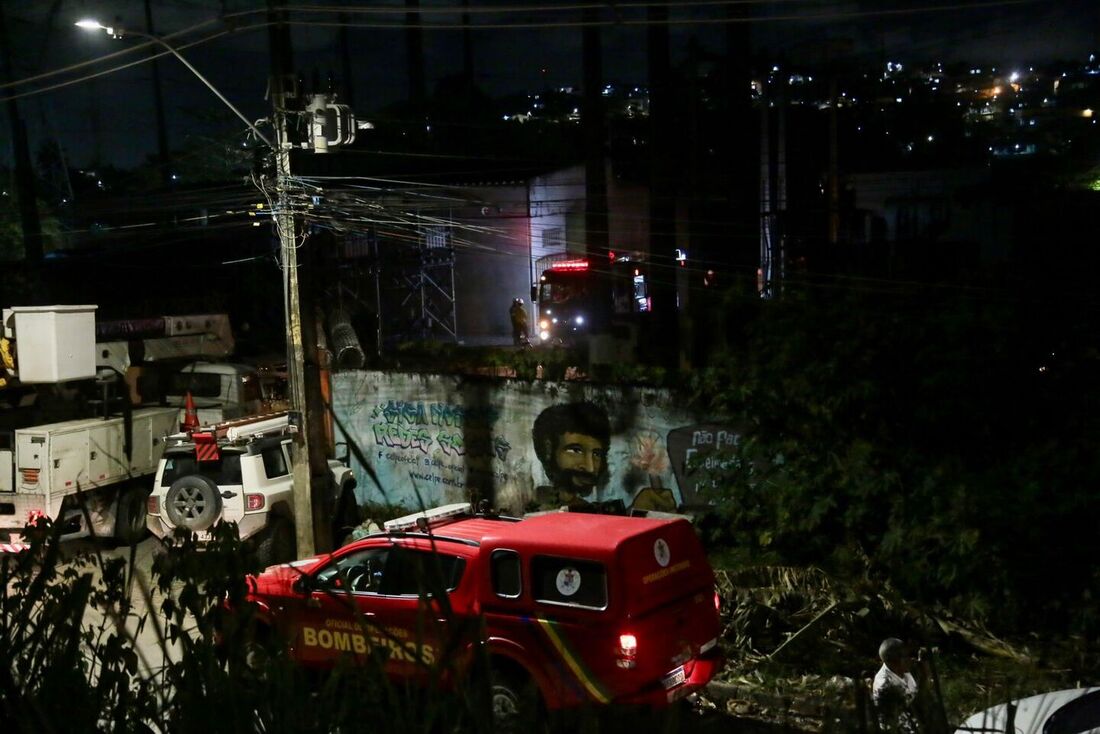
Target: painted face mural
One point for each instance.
(579, 460)
(571, 442)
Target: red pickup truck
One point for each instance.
(571, 609)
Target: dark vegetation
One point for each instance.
(936, 440)
(915, 462)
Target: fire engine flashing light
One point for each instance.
(579, 264)
(438, 514)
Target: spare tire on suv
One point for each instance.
(193, 502)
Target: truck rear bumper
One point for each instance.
(699, 672)
(247, 526)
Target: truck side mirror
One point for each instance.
(534, 293)
(303, 585)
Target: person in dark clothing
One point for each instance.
(518, 314)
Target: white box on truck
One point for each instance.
(54, 343)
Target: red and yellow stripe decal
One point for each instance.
(574, 660)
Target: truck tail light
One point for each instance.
(717, 602)
(254, 502)
(30, 476)
(627, 652)
(152, 505)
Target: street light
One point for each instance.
(303, 482)
(91, 24)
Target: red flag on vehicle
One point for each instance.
(190, 415)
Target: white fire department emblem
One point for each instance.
(661, 552)
(568, 581)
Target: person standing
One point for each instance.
(518, 315)
(895, 689)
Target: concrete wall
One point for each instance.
(431, 438)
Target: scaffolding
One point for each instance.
(415, 287)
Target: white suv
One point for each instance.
(240, 472)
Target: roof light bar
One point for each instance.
(579, 264)
(431, 517)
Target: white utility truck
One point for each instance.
(74, 447)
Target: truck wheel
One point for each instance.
(130, 516)
(515, 703)
(278, 544)
(193, 502)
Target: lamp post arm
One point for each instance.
(205, 81)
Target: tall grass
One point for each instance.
(86, 644)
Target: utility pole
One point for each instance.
(281, 65)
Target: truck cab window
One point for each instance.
(505, 571)
(275, 462)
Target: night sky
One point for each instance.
(110, 117)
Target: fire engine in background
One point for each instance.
(83, 422)
(574, 296)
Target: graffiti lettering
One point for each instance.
(451, 443)
(395, 436)
(721, 439)
(501, 447)
(395, 411)
(445, 414)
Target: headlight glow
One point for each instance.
(579, 320)
(544, 335)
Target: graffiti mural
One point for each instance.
(435, 439)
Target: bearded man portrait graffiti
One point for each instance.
(571, 441)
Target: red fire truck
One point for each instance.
(574, 296)
(570, 609)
